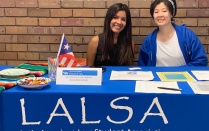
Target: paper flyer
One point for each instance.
(175, 76)
(131, 75)
(152, 87)
(200, 87)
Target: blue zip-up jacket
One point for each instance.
(191, 47)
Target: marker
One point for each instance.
(169, 88)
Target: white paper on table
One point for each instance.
(200, 87)
(131, 75)
(201, 75)
(135, 68)
(151, 87)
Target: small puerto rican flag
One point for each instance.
(65, 54)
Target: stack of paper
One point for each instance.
(153, 87)
(201, 75)
(131, 75)
(200, 87)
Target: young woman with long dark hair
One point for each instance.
(113, 47)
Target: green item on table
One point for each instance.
(32, 67)
(37, 70)
(2, 88)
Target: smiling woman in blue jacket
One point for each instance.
(170, 44)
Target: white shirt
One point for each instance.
(169, 53)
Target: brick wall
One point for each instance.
(31, 30)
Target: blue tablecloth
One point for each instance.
(110, 107)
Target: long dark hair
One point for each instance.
(124, 52)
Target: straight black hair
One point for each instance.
(124, 52)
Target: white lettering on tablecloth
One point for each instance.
(83, 107)
(84, 114)
(155, 101)
(129, 109)
(22, 101)
(66, 114)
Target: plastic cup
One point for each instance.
(52, 68)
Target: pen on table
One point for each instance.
(169, 88)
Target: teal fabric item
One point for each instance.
(2, 88)
(37, 70)
(33, 67)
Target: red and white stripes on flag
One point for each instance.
(68, 60)
(65, 54)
